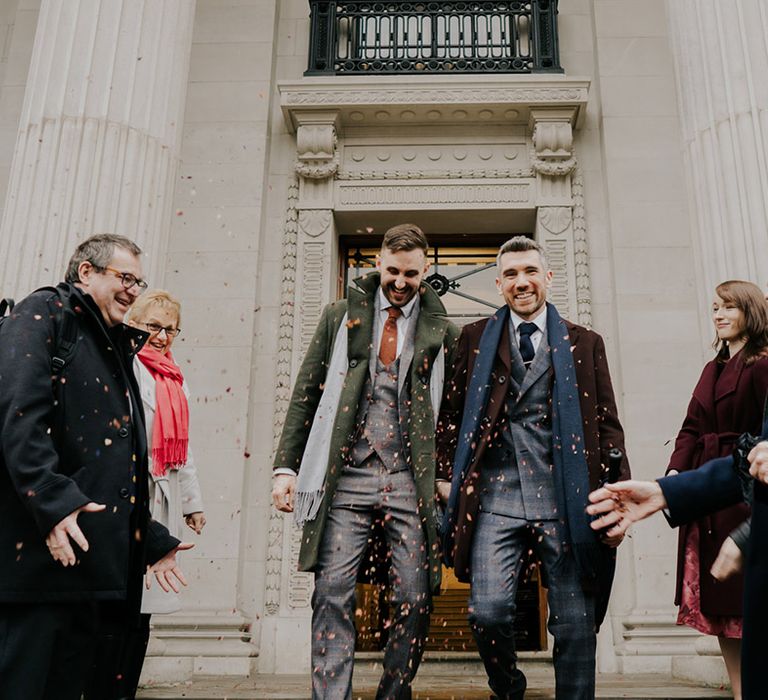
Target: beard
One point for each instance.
(398, 297)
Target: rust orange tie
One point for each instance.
(388, 347)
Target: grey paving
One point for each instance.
(431, 686)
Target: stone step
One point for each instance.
(429, 686)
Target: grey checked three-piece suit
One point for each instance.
(518, 511)
(380, 467)
(377, 483)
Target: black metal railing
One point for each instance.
(407, 36)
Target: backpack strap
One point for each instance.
(66, 335)
(6, 306)
(65, 330)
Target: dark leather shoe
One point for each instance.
(519, 685)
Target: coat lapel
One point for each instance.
(474, 412)
(518, 372)
(728, 381)
(361, 307)
(406, 356)
(146, 386)
(539, 366)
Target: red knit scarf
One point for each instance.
(170, 431)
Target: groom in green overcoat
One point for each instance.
(357, 455)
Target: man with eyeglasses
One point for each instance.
(76, 537)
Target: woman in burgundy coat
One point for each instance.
(727, 401)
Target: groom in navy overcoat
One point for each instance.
(526, 426)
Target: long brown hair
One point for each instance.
(749, 299)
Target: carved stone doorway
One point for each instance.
(462, 273)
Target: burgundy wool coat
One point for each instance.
(727, 401)
(602, 429)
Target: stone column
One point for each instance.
(553, 162)
(98, 142)
(310, 252)
(721, 60)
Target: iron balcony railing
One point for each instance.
(403, 36)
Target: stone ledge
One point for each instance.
(185, 646)
(442, 686)
(442, 100)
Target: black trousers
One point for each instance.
(62, 651)
(133, 657)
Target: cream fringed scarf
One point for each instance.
(310, 484)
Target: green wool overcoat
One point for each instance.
(433, 332)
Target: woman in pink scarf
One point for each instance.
(174, 491)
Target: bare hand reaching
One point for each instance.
(730, 560)
(58, 539)
(195, 521)
(167, 571)
(758, 461)
(623, 503)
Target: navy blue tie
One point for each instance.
(526, 346)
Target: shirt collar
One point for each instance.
(384, 303)
(540, 320)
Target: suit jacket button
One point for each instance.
(123, 432)
(353, 363)
(502, 379)
(124, 492)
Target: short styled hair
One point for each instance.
(520, 244)
(749, 299)
(98, 250)
(153, 297)
(405, 237)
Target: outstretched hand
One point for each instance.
(623, 503)
(58, 539)
(167, 571)
(730, 560)
(195, 521)
(758, 461)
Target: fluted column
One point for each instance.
(98, 142)
(721, 63)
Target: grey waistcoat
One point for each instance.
(383, 412)
(379, 416)
(516, 473)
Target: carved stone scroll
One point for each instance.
(282, 392)
(552, 142)
(581, 253)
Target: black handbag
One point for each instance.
(742, 447)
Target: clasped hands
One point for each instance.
(67, 531)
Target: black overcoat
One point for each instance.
(712, 487)
(67, 440)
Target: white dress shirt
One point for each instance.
(537, 335)
(403, 320)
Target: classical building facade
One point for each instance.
(256, 154)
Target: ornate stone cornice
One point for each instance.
(442, 174)
(456, 99)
